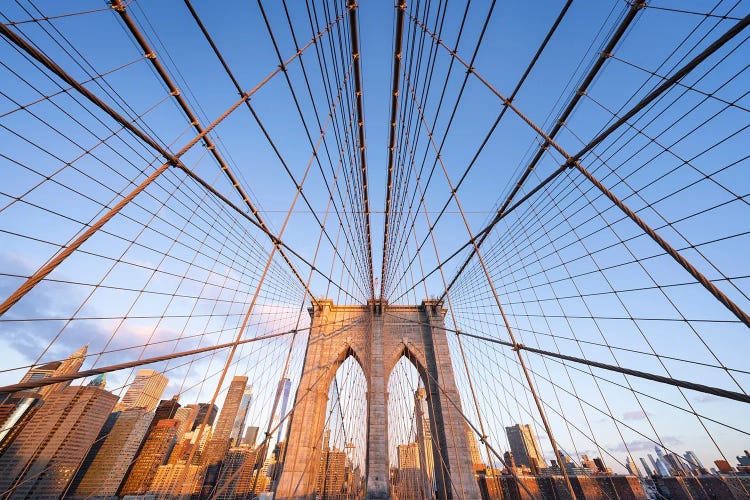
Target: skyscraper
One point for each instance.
(525, 446)
(285, 386)
(188, 443)
(694, 464)
(331, 474)
(601, 467)
(221, 439)
(108, 461)
(631, 466)
(15, 412)
(16, 409)
(675, 464)
(70, 365)
(672, 463)
(225, 422)
(186, 415)
(44, 457)
(236, 477)
(99, 381)
(41, 372)
(476, 456)
(177, 480)
(408, 456)
(743, 463)
(659, 466)
(424, 440)
(203, 408)
(155, 452)
(145, 391)
(166, 410)
(646, 468)
(251, 436)
(410, 484)
(239, 422)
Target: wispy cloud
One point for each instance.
(34, 326)
(635, 415)
(646, 445)
(22, 341)
(706, 398)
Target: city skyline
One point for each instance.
(140, 447)
(132, 444)
(243, 390)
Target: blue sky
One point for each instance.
(682, 166)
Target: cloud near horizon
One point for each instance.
(635, 415)
(646, 445)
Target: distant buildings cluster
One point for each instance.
(525, 471)
(84, 442)
(668, 464)
(669, 475)
(338, 477)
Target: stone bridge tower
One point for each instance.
(377, 335)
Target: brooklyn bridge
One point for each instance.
(330, 249)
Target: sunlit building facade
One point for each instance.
(145, 391)
(525, 446)
(105, 466)
(45, 456)
(154, 453)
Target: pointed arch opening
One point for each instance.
(411, 447)
(341, 473)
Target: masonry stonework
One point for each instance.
(377, 336)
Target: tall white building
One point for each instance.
(424, 440)
(239, 421)
(285, 387)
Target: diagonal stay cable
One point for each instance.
(131, 364)
(706, 389)
(305, 126)
(392, 122)
(593, 72)
(502, 112)
(357, 61)
(172, 159)
(572, 161)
